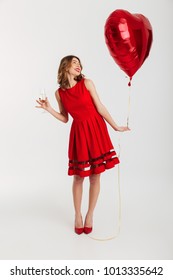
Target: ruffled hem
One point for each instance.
(93, 166)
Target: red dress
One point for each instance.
(90, 148)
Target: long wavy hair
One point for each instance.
(65, 64)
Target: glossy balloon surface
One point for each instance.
(129, 39)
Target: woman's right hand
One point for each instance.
(122, 128)
(44, 104)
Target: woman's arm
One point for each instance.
(62, 116)
(101, 108)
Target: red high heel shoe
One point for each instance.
(78, 230)
(87, 230)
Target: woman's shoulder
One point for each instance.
(59, 90)
(88, 83)
(57, 93)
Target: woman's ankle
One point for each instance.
(89, 219)
(78, 220)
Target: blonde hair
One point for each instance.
(65, 63)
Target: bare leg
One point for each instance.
(77, 199)
(93, 196)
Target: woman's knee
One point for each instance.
(78, 179)
(94, 178)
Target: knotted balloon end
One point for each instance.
(129, 83)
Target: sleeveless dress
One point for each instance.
(90, 148)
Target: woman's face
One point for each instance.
(75, 68)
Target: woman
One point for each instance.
(90, 149)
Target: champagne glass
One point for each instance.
(43, 97)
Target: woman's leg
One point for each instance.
(93, 196)
(77, 199)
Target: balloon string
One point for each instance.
(129, 83)
(128, 112)
(119, 207)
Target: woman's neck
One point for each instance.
(71, 80)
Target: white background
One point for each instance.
(36, 209)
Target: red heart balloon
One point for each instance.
(129, 39)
